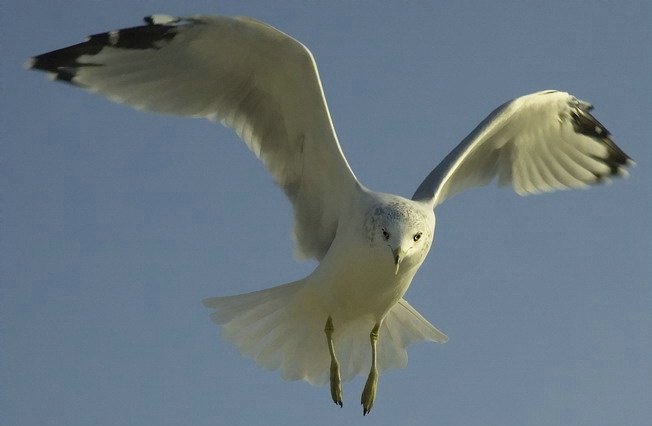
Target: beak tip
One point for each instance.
(397, 260)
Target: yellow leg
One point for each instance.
(369, 392)
(336, 381)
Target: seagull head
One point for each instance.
(403, 231)
(401, 242)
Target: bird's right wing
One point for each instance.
(243, 73)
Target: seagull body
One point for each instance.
(348, 317)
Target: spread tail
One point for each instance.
(282, 328)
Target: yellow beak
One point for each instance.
(398, 258)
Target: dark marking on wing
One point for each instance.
(587, 124)
(64, 63)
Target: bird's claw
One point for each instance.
(369, 392)
(336, 384)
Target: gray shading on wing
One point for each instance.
(541, 142)
(243, 73)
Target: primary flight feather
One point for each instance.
(348, 317)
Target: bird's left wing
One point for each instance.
(541, 142)
(241, 72)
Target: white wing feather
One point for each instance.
(240, 72)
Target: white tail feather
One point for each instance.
(281, 328)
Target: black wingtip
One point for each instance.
(63, 64)
(151, 36)
(587, 124)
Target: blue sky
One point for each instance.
(114, 225)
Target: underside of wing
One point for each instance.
(243, 73)
(537, 143)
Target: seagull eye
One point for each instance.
(385, 233)
(417, 236)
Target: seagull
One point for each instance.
(348, 317)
